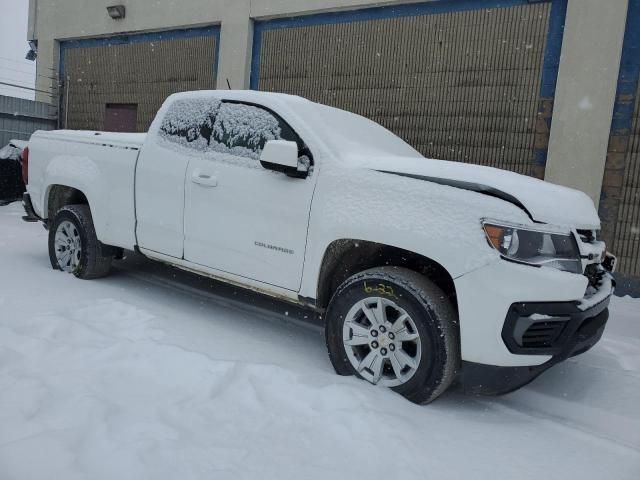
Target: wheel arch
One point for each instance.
(74, 173)
(346, 257)
(59, 196)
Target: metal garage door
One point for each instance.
(137, 70)
(626, 240)
(620, 202)
(461, 84)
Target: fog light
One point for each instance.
(538, 330)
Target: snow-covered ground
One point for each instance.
(155, 373)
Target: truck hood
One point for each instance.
(544, 202)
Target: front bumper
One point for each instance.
(499, 302)
(580, 330)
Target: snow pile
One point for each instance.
(149, 375)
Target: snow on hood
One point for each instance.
(545, 202)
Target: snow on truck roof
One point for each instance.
(241, 95)
(340, 130)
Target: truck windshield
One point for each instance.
(351, 133)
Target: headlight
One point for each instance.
(535, 247)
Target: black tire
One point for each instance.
(95, 258)
(432, 312)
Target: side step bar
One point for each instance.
(31, 215)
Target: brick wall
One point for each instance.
(620, 199)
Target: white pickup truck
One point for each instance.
(425, 270)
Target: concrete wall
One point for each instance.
(585, 90)
(585, 94)
(73, 19)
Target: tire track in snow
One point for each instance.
(584, 430)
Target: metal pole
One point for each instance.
(66, 102)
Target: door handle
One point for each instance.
(204, 179)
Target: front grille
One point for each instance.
(593, 253)
(542, 334)
(595, 274)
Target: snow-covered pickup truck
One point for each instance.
(425, 270)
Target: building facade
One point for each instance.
(19, 118)
(546, 88)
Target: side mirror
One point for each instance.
(282, 156)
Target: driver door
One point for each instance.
(240, 218)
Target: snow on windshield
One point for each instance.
(208, 125)
(351, 133)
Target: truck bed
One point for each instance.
(101, 165)
(126, 140)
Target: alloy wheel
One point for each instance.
(382, 342)
(68, 246)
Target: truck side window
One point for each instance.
(245, 129)
(189, 120)
(214, 127)
(258, 125)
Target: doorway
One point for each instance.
(121, 117)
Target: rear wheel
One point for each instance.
(73, 245)
(394, 328)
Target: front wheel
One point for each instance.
(393, 327)
(73, 245)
